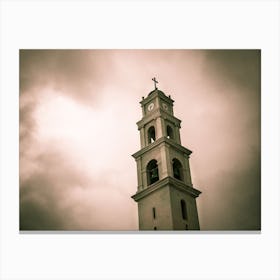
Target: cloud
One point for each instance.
(232, 197)
(235, 67)
(223, 130)
(77, 73)
(44, 192)
(60, 195)
(65, 160)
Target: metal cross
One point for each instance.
(155, 81)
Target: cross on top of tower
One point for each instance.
(155, 81)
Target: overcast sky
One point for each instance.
(78, 114)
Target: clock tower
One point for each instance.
(165, 195)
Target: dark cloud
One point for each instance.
(71, 72)
(228, 164)
(46, 190)
(58, 194)
(234, 202)
(39, 208)
(27, 123)
(240, 67)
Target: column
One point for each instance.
(159, 130)
(188, 179)
(139, 174)
(142, 137)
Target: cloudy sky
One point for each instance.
(78, 114)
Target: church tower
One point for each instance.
(165, 195)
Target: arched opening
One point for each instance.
(152, 172)
(177, 169)
(183, 209)
(151, 134)
(169, 132)
(155, 228)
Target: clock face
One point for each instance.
(151, 106)
(165, 106)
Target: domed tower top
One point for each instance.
(156, 101)
(156, 89)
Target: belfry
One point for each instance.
(165, 195)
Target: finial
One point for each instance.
(155, 81)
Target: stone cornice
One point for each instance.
(167, 116)
(167, 181)
(156, 114)
(158, 142)
(179, 185)
(148, 118)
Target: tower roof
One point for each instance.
(156, 93)
(156, 90)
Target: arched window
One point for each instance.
(177, 169)
(151, 135)
(152, 172)
(183, 209)
(169, 132)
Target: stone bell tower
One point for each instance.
(165, 195)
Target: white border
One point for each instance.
(155, 24)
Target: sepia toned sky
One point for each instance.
(78, 114)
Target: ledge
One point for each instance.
(157, 113)
(171, 182)
(159, 141)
